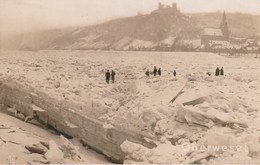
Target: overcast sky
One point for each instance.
(27, 15)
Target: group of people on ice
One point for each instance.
(219, 72)
(155, 72)
(159, 72)
(110, 75)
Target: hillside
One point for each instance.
(162, 26)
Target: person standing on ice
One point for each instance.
(159, 72)
(147, 73)
(174, 73)
(154, 71)
(107, 76)
(217, 72)
(113, 76)
(222, 71)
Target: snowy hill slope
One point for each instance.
(138, 31)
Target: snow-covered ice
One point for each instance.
(208, 107)
(21, 143)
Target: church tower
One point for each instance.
(224, 26)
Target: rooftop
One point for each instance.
(212, 32)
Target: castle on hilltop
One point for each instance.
(163, 7)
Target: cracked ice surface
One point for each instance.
(210, 111)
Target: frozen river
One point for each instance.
(225, 105)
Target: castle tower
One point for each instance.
(224, 26)
(174, 6)
(160, 6)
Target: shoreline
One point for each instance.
(16, 134)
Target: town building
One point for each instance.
(216, 34)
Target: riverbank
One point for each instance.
(24, 143)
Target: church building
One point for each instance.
(216, 34)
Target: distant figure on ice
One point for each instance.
(113, 76)
(222, 71)
(147, 73)
(107, 76)
(154, 71)
(174, 73)
(159, 72)
(217, 72)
